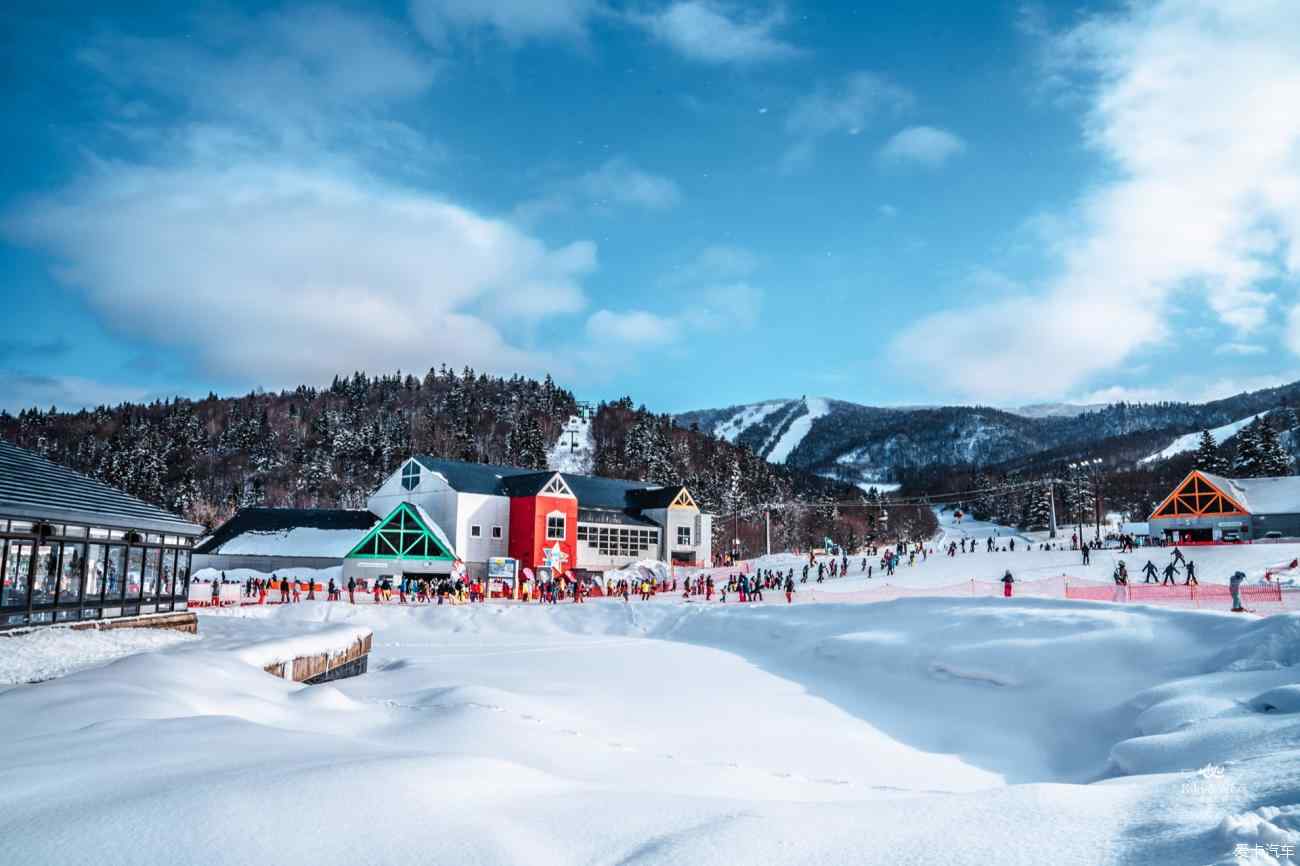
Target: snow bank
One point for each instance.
(332, 640)
(45, 653)
(963, 731)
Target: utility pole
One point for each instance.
(1051, 500)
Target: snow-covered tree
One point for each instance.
(1208, 458)
(1274, 461)
(1248, 461)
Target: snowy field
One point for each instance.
(1214, 563)
(954, 731)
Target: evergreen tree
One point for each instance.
(1248, 461)
(1208, 458)
(1274, 461)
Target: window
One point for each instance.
(70, 574)
(182, 573)
(684, 535)
(46, 577)
(18, 562)
(113, 573)
(496, 532)
(555, 527)
(134, 573)
(410, 475)
(475, 531)
(150, 575)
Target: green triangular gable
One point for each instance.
(401, 535)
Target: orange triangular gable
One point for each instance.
(1196, 496)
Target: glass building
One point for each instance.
(73, 548)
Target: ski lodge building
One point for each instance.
(73, 549)
(1206, 507)
(431, 513)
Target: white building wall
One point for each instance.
(451, 510)
(486, 511)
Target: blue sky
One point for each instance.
(695, 203)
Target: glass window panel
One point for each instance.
(168, 584)
(134, 572)
(153, 538)
(182, 573)
(115, 574)
(18, 561)
(170, 540)
(46, 577)
(96, 532)
(149, 578)
(95, 565)
(4, 525)
(20, 526)
(117, 534)
(74, 531)
(70, 571)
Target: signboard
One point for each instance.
(502, 568)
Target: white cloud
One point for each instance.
(712, 32)
(620, 181)
(21, 390)
(514, 20)
(258, 245)
(723, 307)
(922, 145)
(1240, 349)
(280, 275)
(1189, 389)
(1204, 197)
(844, 108)
(634, 329)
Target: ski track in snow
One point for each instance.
(746, 418)
(799, 428)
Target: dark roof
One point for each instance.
(33, 487)
(525, 485)
(483, 478)
(282, 519)
(610, 515)
(657, 497)
(596, 492)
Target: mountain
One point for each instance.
(870, 444)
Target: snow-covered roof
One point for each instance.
(323, 532)
(1261, 495)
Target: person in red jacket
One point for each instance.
(1007, 580)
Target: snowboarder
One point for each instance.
(1234, 585)
(1007, 580)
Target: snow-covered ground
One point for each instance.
(1214, 563)
(972, 731)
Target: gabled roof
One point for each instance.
(1262, 495)
(283, 521)
(548, 483)
(657, 497)
(33, 487)
(485, 478)
(1200, 495)
(406, 533)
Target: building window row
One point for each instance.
(619, 540)
(47, 577)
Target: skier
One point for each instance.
(1191, 574)
(1178, 555)
(708, 587)
(1150, 571)
(352, 590)
(1234, 584)
(1170, 570)
(1085, 555)
(789, 590)
(1007, 580)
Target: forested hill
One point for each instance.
(331, 447)
(853, 442)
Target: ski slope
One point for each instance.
(817, 407)
(988, 730)
(1190, 441)
(747, 417)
